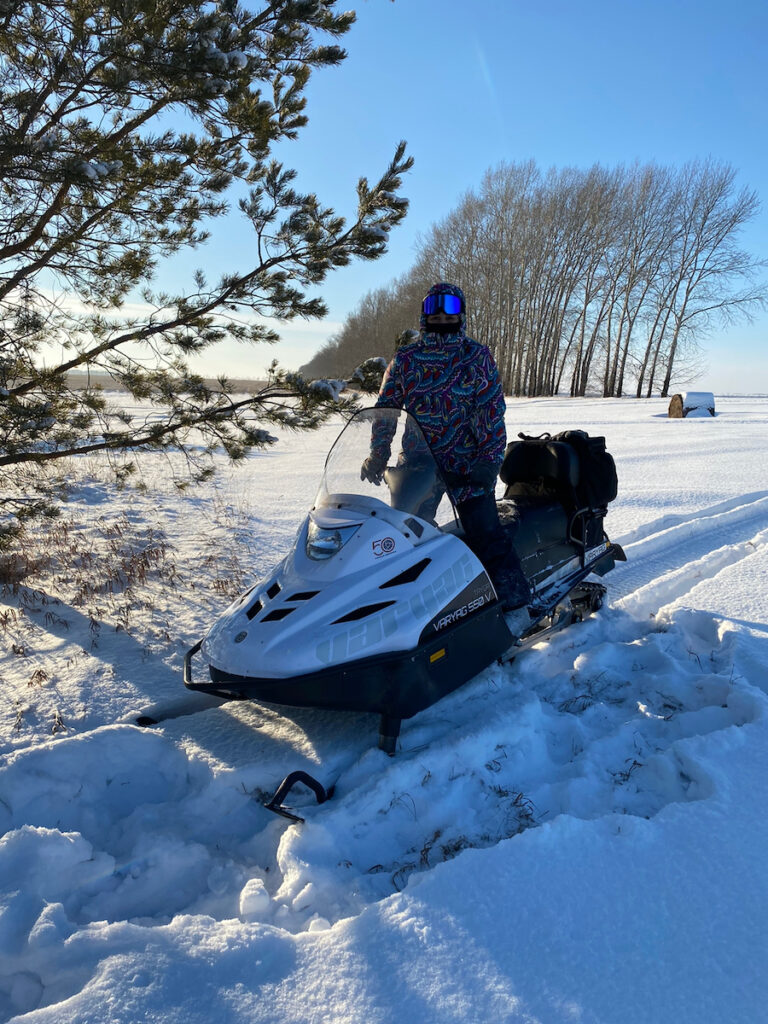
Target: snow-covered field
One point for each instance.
(578, 837)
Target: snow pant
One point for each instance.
(485, 535)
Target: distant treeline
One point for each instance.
(604, 280)
(80, 381)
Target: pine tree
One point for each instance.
(124, 128)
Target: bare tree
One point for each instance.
(711, 267)
(594, 277)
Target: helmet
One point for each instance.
(443, 298)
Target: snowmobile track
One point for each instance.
(717, 536)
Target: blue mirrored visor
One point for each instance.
(443, 302)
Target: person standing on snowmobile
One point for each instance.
(450, 384)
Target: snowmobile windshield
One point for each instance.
(400, 469)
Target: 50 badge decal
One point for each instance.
(385, 546)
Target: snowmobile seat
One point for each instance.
(541, 471)
(553, 463)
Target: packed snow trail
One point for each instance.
(674, 543)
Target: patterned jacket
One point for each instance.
(451, 386)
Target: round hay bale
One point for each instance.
(676, 407)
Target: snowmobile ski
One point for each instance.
(275, 804)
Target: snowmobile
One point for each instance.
(381, 606)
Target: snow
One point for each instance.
(95, 169)
(699, 399)
(577, 837)
(330, 389)
(699, 403)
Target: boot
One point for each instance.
(512, 588)
(519, 621)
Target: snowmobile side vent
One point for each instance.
(254, 609)
(277, 614)
(304, 595)
(274, 590)
(408, 575)
(362, 613)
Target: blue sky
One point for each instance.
(470, 85)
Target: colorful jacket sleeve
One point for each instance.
(490, 408)
(390, 395)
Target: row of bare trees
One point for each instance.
(599, 280)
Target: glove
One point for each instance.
(373, 469)
(484, 475)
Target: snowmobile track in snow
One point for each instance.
(708, 540)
